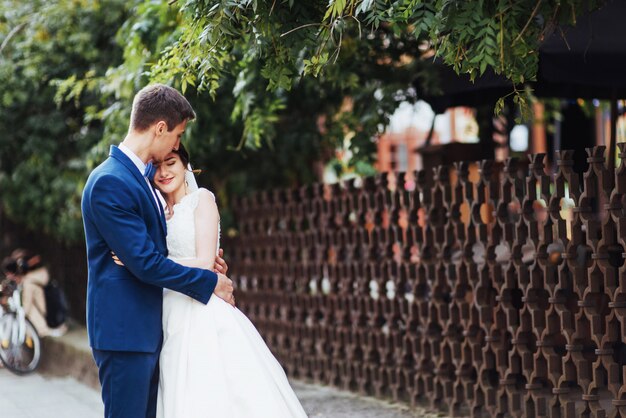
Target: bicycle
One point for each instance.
(20, 346)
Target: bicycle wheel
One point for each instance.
(20, 347)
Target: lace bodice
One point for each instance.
(181, 228)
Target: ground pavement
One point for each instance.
(67, 387)
(36, 396)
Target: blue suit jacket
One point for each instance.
(124, 303)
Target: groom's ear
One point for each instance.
(160, 128)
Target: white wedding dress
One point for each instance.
(214, 363)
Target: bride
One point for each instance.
(213, 362)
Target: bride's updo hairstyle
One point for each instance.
(182, 154)
(184, 158)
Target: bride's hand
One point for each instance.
(116, 260)
(220, 263)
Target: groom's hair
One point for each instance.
(158, 102)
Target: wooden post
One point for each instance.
(612, 145)
(539, 143)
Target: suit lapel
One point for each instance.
(122, 158)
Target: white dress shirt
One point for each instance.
(142, 169)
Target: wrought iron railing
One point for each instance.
(490, 289)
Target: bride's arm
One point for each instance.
(207, 220)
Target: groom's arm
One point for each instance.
(125, 232)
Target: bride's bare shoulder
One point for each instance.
(206, 199)
(206, 194)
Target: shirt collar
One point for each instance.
(133, 157)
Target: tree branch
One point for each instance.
(302, 27)
(11, 34)
(532, 16)
(501, 43)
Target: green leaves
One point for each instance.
(286, 83)
(470, 36)
(48, 71)
(315, 65)
(335, 9)
(284, 47)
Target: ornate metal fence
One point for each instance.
(495, 291)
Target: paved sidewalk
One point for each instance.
(326, 402)
(37, 396)
(67, 387)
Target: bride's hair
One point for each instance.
(183, 155)
(184, 158)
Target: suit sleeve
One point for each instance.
(125, 232)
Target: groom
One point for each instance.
(123, 214)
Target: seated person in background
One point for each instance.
(26, 268)
(6, 288)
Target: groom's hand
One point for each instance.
(220, 263)
(116, 259)
(224, 289)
